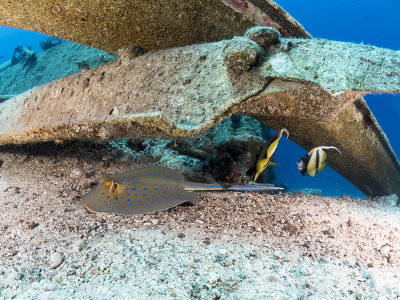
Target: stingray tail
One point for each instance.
(192, 187)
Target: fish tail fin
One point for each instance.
(191, 187)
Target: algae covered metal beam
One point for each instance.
(152, 24)
(335, 66)
(183, 91)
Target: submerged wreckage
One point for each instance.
(312, 87)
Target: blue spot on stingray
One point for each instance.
(120, 178)
(126, 179)
(136, 179)
(145, 189)
(127, 194)
(108, 196)
(116, 198)
(144, 195)
(128, 200)
(164, 193)
(127, 189)
(98, 200)
(156, 189)
(160, 187)
(148, 199)
(133, 189)
(115, 202)
(105, 201)
(102, 193)
(153, 195)
(106, 204)
(167, 176)
(136, 195)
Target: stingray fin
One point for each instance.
(194, 198)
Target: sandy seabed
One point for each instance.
(230, 246)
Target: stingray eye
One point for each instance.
(113, 187)
(111, 184)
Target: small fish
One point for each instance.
(314, 160)
(264, 157)
(151, 189)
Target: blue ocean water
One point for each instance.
(361, 21)
(12, 37)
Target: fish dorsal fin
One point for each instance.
(331, 147)
(271, 149)
(273, 143)
(322, 157)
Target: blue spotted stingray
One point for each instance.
(151, 189)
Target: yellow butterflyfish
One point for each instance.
(314, 160)
(264, 157)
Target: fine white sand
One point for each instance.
(230, 246)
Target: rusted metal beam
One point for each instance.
(152, 24)
(183, 91)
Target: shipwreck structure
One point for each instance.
(195, 76)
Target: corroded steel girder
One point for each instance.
(152, 24)
(301, 85)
